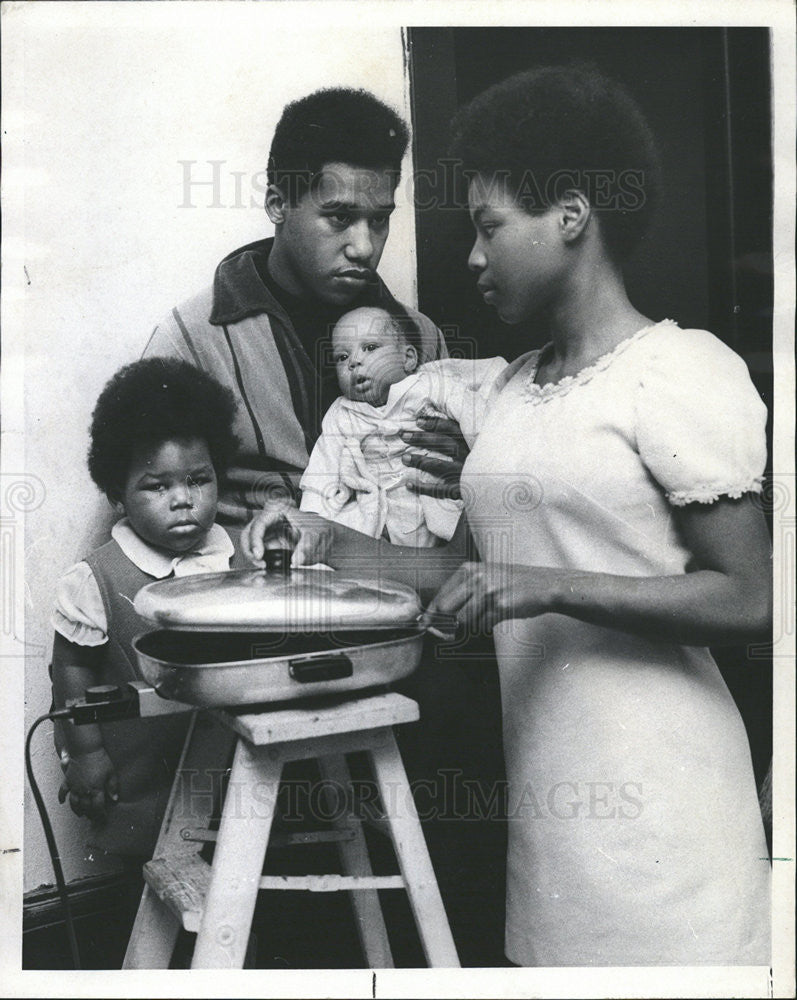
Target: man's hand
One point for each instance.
(90, 782)
(442, 436)
(255, 533)
(313, 535)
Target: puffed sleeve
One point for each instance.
(700, 423)
(79, 614)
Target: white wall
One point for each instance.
(106, 100)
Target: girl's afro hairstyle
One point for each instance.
(334, 125)
(152, 401)
(560, 128)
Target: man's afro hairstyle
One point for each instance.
(556, 128)
(152, 401)
(334, 125)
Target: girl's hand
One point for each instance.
(90, 782)
(483, 594)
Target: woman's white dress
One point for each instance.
(635, 836)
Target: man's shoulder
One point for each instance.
(185, 331)
(234, 291)
(192, 312)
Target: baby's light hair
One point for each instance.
(405, 326)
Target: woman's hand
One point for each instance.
(483, 594)
(440, 435)
(725, 599)
(313, 535)
(90, 782)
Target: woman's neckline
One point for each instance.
(535, 391)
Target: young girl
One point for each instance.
(161, 435)
(356, 474)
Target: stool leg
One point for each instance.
(195, 792)
(413, 856)
(206, 749)
(238, 859)
(354, 857)
(153, 936)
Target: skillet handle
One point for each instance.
(444, 626)
(321, 668)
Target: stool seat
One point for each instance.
(325, 717)
(216, 901)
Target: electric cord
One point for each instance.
(63, 713)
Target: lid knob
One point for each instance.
(279, 543)
(278, 561)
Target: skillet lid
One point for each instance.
(302, 600)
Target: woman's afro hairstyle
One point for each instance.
(560, 128)
(334, 125)
(152, 401)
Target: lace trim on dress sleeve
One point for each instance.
(710, 494)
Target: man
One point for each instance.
(264, 330)
(263, 326)
(331, 210)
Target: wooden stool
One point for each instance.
(218, 902)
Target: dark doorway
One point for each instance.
(706, 91)
(707, 261)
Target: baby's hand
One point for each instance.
(90, 781)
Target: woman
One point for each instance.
(622, 458)
(609, 495)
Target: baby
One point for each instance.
(161, 435)
(356, 475)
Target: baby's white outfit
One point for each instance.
(355, 475)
